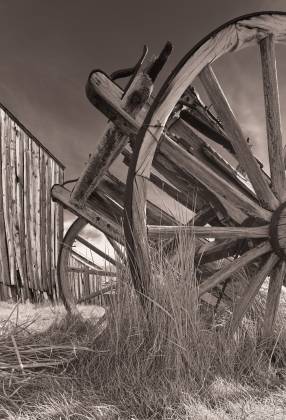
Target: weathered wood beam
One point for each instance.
(251, 291)
(273, 119)
(213, 251)
(236, 136)
(178, 187)
(166, 232)
(115, 189)
(90, 214)
(211, 180)
(277, 277)
(234, 266)
(186, 137)
(114, 139)
(101, 273)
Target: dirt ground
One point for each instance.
(40, 317)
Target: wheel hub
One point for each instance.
(278, 231)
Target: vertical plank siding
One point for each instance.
(31, 225)
(83, 283)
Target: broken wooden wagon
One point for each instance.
(199, 156)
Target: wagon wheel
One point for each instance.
(266, 208)
(106, 271)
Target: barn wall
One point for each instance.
(31, 224)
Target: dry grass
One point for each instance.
(173, 364)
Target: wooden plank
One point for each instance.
(43, 220)
(91, 215)
(60, 213)
(234, 266)
(18, 209)
(36, 216)
(216, 250)
(184, 187)
(174, 171)
(215, 183)
(236, 136)
(186, 137)
(56, 245)
(13, 209)
(58, 222)
(277, 277)
(28, 212)
(5, 275)
(273, 119)
(103, 273)
(54, 275)
(166, 232)
(251, 291)
(49, 218)
(197, 116)
(6, 174)
(115, 189)
(21, 207)
(107, 97)
(180, 186)
(113, 140)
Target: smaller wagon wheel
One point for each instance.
(265, 205)
(105, 272)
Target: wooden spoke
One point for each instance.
(96, 294)
(273, 120)
(273, 297)
(166, 232)
(251, 291)
(235, 265)
(213, 251)
(85, 260)
(239, 143)
(96, 250)
(117, 249)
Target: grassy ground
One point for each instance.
(179, 362)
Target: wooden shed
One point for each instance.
(31, 224)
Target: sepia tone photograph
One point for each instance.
(142, 210)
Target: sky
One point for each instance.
(48, 48)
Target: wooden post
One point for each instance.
(113, 140)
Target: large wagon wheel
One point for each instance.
(266, 209)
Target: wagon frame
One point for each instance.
(168, 148)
